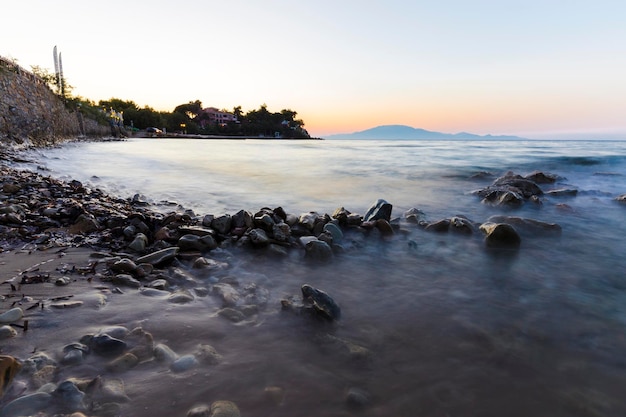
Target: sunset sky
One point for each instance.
(534, 68)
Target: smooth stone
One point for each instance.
(208, 264)
(224, 409)
(127, 280)
(335, 232)
(124, 265)
(109, 390)
(139, 243)
(105, 345)
(7, 332)
(184, 363)
(119, 332)
(500, 235)
(44, 376)
(123, 363)
(231, 314)
(153, 292)
(159, 284)
(227, 293)
(164, 353)
(73, 357)
(11, 315)
(192, 242)
(461, 225)
(27, 405)
(159, 257)
(381, 209)
(384, 227)
(69, 396)
(503, 198)
(181, 297)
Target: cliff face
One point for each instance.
(31, 112)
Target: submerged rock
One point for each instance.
(321, 302)
(500, 235)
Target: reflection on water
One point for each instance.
(432, 324)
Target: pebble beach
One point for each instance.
(111, 307)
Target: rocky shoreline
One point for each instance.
(59, 240)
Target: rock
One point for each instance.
(442, 225)
(335, 232)
(125, 279)
(317, 250)
(539, 177)
(222, 224)
(7, 332)
(208, 355)
(224, 409)
(524, 186)
(321, 302)
(384, 227)
(231, 314)
(503, 197)
(524, 224)
(281, 232)
(124, 265)
(164, 353)
(242, 219)
(500, 235)
(160, 257)
(199, 411)
(9, 367)
(139, 243)
(209, 265)
(226, 293)
(562, 192)
(181, 297)
(461, 225)
(9, 188)
(184, 363)
(67, 396)
(308, 220)
(381, 209)
(105, 345)
(191, 242)
(357, 398)
(258, 237)
(123, 363)
(621, 198)
(12, 315)
(414, 215)
(27, 405)
(85, 223)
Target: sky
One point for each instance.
(542, 69)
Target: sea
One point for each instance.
(433, 324)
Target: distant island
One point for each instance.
(402, 132)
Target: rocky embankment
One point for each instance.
(31, 113)
(167, 255)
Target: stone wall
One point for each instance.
(30, 113)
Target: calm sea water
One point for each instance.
(452, 329)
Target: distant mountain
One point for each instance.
(411, 133)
